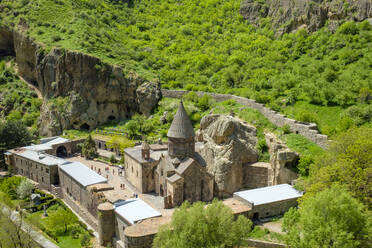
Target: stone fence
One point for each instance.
(308, 130)
(263, 244)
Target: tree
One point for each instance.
(25, 189)
(89, 149)
(13, 134)
(331, 218)
(61, 219)
(200, 226)
(9, 186)
(348, 162)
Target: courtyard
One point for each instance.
(116, 178)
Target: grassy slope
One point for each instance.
(206, 45)
(17, 101)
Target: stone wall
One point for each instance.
(273, 208)
(44, 175)
(308, 130)
(78, 193)
(133, 172)
(80, 211)
(256, 175)
(139, 242)
(263, 244)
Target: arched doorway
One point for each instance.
(111, 118)
(85, 127)
(61, 152)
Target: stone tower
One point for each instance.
(145, 150)
(106, 223)
(181, 135)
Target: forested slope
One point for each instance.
(207, 45)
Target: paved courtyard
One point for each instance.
(116, 177)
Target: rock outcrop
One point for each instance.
(229, 144)
(282, 159)
(288, 15)
(79, 90)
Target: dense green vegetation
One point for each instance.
(61, 224)
(13, 134)
(17, 100)
(198, 225)
(206, 45)
(331, 218)
(348, 162)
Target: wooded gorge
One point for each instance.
(208, 46)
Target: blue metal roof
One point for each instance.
(269, 194)
(134, 210)
(42, 158)
(82, 174)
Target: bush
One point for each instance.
(25, 189)
(85, 240)
(56, 38)
(9, 186)
(286, 129)
(112, 158)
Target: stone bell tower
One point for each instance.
(145, 150)
(181, 135)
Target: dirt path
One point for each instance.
(31, 86)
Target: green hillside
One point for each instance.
(17, 100)
(207, 45)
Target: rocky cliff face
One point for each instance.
(228, 145)
(282, 160)
(289, 15)
(79, 90)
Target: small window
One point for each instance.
(161, 172)
(41, 169)
(42, 179)
(132, 169)
(47, 170)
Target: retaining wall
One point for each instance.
(263, 244)
(308, 130)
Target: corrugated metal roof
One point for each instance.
(42, 158)
(134, 210)
(269, 194)
(47, 145)
(82, 174)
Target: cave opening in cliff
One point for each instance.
(111, 118)
(85, 127)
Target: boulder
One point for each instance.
(229, 143)
(282, 159)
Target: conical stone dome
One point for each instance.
(181, 126)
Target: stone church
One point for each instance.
(216, 161)
(175, 170)
(181, 173)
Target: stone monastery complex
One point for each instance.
(127, 205)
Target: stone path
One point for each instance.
(34, 234)
(31, 86)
